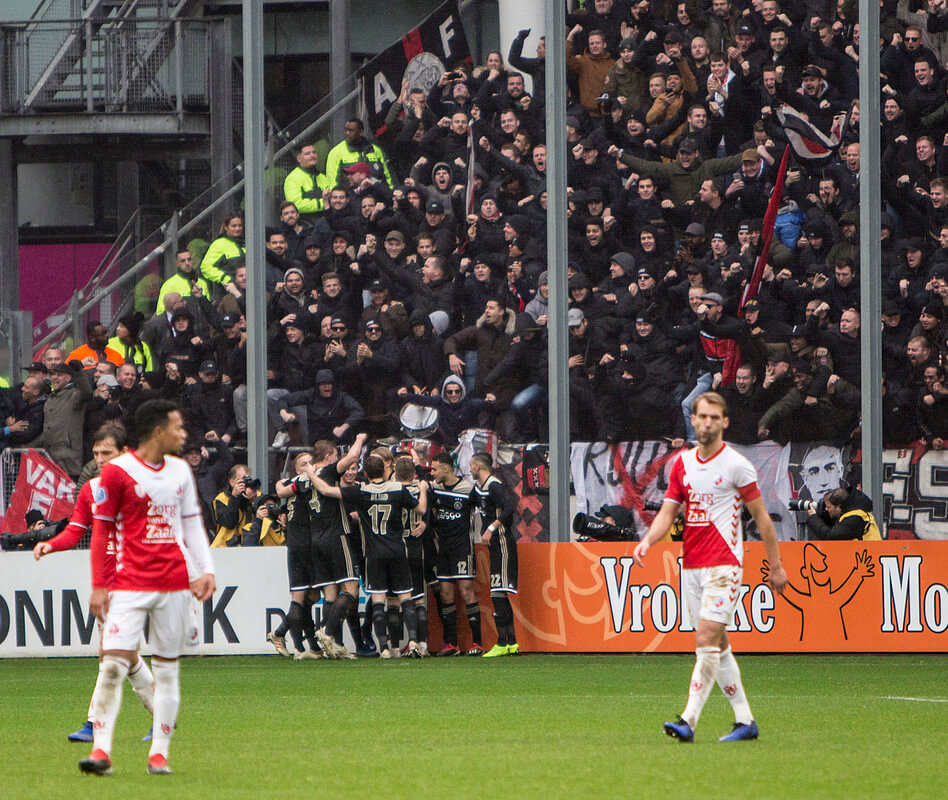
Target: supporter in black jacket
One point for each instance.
(330, 413)
(22, 419)
(746, 404)
(210, 463)
(456, 410)
(424, 363)
(209, 407)
(293, 357)
(378, 360)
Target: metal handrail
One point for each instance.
(170, 241)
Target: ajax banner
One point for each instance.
(888, 597)
(436, 46)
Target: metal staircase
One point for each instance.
(108, 56)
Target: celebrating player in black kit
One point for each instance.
(333, 560)
(496, 507)
(380, 504)
(415, 526)
(318, 555)
(299, 565)
(451, 512)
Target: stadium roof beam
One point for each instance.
(108, 124)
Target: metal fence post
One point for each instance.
(88, 56)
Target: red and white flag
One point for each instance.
(42, 485)
(770, 218)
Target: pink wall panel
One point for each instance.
(50, 273)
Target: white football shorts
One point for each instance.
(171, 620)
(712, 593)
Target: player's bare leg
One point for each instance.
(106, 702)
(167, 700)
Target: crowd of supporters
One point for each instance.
(383, 289)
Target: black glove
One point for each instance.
(523, 34)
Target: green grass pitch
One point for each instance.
(519, 727)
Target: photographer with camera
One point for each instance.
(842, 514)
(268, 525)
(234, 508)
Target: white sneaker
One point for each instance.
(423, 649)
(279, 644)
(327, 643)
(281, 440)
(306, 655)
(414, 651)
(386, 653)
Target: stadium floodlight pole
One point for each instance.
(556, 258)
(870, 264)
(253, 238)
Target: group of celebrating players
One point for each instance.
(402, 536)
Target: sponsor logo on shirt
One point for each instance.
(699, 504)
(159, 518)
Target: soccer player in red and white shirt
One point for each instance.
(713, 481)
(109, 442)
(147, 501)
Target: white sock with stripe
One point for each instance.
(729, 679)
(702, 681)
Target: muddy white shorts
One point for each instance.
(170, 615)
(712, 593)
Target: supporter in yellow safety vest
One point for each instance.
(301, 186)
(355, 147)
(183, 281)
(127, 343)
(226, 252)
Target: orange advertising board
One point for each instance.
(842, 597)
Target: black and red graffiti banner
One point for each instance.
(437, 45)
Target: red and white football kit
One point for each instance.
(81, 523)
(712, 492)
(160, 547)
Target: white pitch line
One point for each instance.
(919, 699)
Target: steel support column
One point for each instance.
(870, 266)
(556, 267)
(254, 239)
